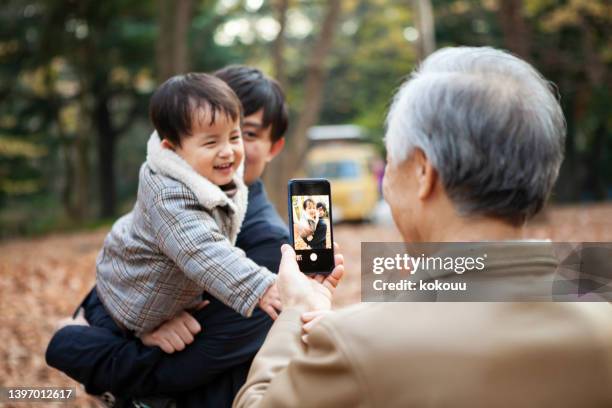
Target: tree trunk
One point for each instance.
(569, 190)
(67, 192)
(424, 21)
(595, 177)
(75, 192)
(106, 156)
(81, 176)
(278, 49)
(596, 75)
(514, 28)
(288, 162)
(81, 165)
(172, 47)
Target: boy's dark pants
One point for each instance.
(105, 358)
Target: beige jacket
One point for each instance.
(438, 355)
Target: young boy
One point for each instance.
(178, 240)
(213, 366)
(308, 221)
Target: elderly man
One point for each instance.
(475, 141)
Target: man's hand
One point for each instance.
(308, 293)
(270, 302)
(310, 320)
(174, 334)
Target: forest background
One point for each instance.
(76, 76)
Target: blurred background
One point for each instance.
(76, 76)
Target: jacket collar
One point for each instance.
(209, 195)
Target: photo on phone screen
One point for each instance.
(311, 224)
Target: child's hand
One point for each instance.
(304, 229)
(174, 334)
(270, 302)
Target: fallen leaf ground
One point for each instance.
(44, 279)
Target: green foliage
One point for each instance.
(60, 60)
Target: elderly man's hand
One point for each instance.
(309, 293)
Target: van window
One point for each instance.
(345, 169)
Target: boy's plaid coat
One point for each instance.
(177, 242)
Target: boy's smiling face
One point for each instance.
(311, 210)
(213, 150)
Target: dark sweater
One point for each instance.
(319, 235)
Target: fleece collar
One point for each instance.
(209, 195)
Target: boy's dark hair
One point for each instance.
(256, 91)
(175, 103)
(305, 203)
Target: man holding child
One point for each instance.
(205, 110)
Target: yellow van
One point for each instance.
(351, 167)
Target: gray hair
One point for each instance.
(489, 123)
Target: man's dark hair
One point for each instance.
(175, 104)
(257, 91)
(321, 205)
(306, 201)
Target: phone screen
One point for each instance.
(310, 220)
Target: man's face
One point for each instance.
(321, 212)
(258, 147)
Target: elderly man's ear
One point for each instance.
(426, 175)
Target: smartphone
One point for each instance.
(310, 224)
